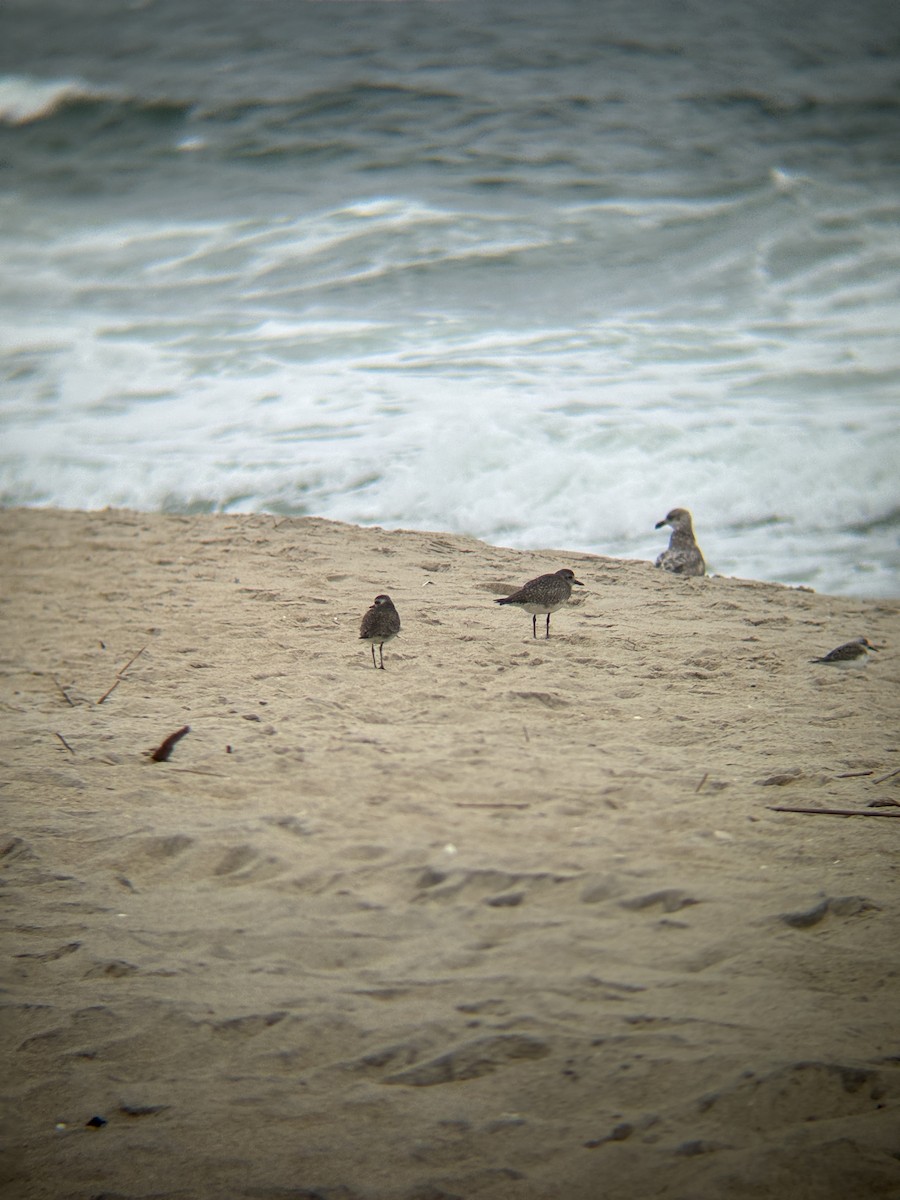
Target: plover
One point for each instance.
(682, 557)
(380, 623)
(851, 654)
(543, 595)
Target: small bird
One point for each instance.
(543, 595)
(683, 555)
(380, 623)
(851, 654)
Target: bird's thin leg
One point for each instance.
(381, 654)
(547, 634)
(374, 663)
(534, 625)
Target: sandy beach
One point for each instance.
(512, 919)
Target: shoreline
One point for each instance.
(507, 919)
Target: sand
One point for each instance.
(509, 919)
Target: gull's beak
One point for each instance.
(578, 581)
(659, 524)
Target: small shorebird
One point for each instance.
(380, 623)
(682, 557)
(851, 654)
(543, 595)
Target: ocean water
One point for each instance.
(536, 272)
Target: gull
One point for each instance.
(682, 557)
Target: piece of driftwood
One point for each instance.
(833, 812)
(890, 775)
(164, 749)
(64, 692)
(120, 674)
(65, 743)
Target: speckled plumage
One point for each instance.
(380, 623)
(682, 557)
(543, 596)
(850, 654)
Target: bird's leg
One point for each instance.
(374, 664)
(380, 654)
(534, 625)
(547, 634)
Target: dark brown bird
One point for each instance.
(851, 654)
(380, 623)
(543, 595)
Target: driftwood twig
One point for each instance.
(833, 812)
(120, 674)
(65, 743)
(164, 749)
(890, 775)
(65, 694)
